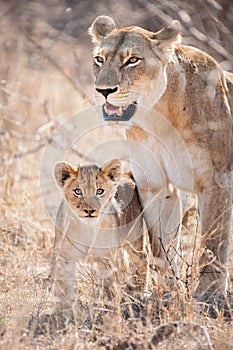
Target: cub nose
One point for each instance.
(106, 92)
(89, 211)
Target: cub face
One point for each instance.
(129, 66)
(88, 188)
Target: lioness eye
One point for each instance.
(100, 192)
(78, 192)
(99, 60)
(133, 61)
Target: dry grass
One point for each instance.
(36, 95)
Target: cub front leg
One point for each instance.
(215, 204)
(63, 280)
(63, 273)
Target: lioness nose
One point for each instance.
(89, 211)
(106, 92)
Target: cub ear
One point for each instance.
(102, 26)
(64, 171)
(166, 38)
(112, 170)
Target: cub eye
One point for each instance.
(99, 60)
(100, 192)
(78, 192)
(133, 61)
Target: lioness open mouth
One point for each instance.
(114, 113)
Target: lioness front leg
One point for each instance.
(164, 222)
(215, 205)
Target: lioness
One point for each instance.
(186, 126)
(99, 222)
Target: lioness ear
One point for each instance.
(166, 38)
(63, 171)
(102, 26)
(112, 170)
(170, 33)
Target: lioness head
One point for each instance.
(130, 65)
(88, 188)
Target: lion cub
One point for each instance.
(98, 222)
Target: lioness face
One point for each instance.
(88, 188)
(129, 66)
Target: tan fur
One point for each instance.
(102, 230)
(188, 90)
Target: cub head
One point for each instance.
(88, 188)
(130, 65)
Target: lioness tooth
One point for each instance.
(120, 111)
(106, 109)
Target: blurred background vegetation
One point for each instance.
(45, 78)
